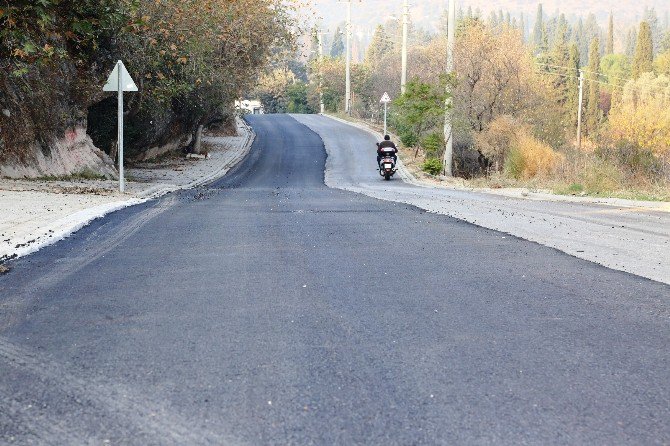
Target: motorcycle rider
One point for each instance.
(386, 147)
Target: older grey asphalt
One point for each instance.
(271, 309)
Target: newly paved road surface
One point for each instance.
(635, 239)
(271, 309)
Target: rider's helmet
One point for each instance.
(387, 138)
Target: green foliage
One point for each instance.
(297, 99)
(615, 68)
(593, 112)
(409, 138)
(433, 166)
(337, 48)
(515, 163)
(433, 144)
(421, 107)
(380, 46)
(39, 31)
(643, 62)
(609, 49)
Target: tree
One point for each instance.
(572, 102)
(662, 63)
(539, 29)
(615, 69)
(610, 36)
(593, 102)
(643, 62)
(631, 41)
(643, 116)
(420, 108)
(337, 48)
(522, 26)
(651, 18)
(380, 46)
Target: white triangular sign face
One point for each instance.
(385, 98)
(127, 83)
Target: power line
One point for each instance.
(577, 77)
(585, 71)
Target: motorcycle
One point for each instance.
(387, 167)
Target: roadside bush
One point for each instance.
(529, 158)
(432, 166)
(433, 144)
(643, 115)
(409, 139)
(496, 141)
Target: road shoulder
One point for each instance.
(34, 214)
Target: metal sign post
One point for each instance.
(385, 100)
(120, 80)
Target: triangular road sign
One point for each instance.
(127, 83)
(385, 99)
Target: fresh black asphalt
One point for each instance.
(270, 309)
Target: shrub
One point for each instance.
(432, 166)
(433, 144)
(530, 157)
(409, 139)
(496, 141)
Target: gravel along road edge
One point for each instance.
(33, 219)
(630, 239)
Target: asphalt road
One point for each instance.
(271, 309)
(634, 239)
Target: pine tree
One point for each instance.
(380, 46)
(643, 62)
(538, 29)
(337, 48)
(610, 36)
(593, 101)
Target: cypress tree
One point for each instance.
(631, 41)
(522, 25)
(379, 47)
(643, 62)
(593, 101)
(573, 84)
(337, 48)
(610, 36)
(538, 29)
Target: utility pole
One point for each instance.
(348, 63)
(319, 36)
(579, 110)
(405, 32)
(449, 113)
